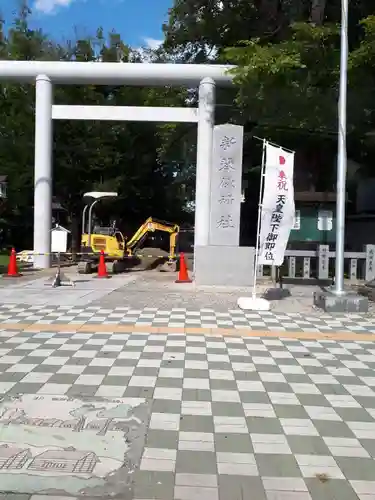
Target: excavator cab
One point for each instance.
(108, 239)
(109, 232)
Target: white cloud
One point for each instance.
(146, 52)
(152, 43)
(49, 6)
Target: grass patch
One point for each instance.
(4, 258)
(4, 261)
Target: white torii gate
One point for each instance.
(46, 73)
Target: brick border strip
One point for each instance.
(214, 332)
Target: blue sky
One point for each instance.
(137, 21)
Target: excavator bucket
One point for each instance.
(169, 267)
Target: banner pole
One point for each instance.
(259, 218)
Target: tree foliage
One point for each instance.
(287, 55)
(286, 87)
(287, 76)
(121, 156)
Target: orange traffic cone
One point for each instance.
(102, 268)
(12, 266)
(183, 275)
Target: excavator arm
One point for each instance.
(149, 226)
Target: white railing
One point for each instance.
(319, 264)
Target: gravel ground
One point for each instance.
(151, 288)
(155, 289)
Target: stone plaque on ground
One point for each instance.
(226, 178)
(64, 446)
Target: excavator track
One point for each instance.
(111, 267)
(84, 267)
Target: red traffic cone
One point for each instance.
(12, 266)
(102, 268)
(183, 275)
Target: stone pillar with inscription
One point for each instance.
(223, 262)
(226, 180)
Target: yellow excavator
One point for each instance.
(118, 250)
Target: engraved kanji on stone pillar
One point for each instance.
(226, 192)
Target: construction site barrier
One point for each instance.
(25, 253)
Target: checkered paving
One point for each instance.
(206, 318)
(231, 417)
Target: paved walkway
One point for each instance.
(184, 417)
(106, 391)
(24, 315)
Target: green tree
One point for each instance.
(87, 155)
(17, 109)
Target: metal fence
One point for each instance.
(320, 263)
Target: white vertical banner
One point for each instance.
(278, 211)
